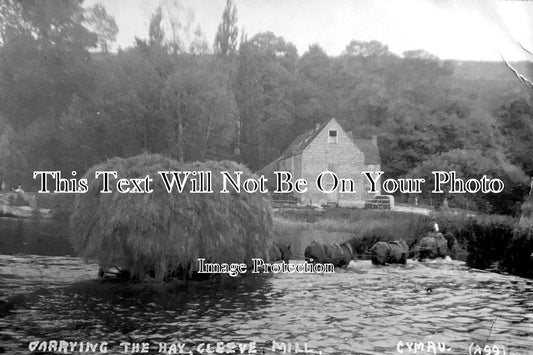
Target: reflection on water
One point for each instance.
(33, 236)
(366, 309)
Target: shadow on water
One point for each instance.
(88, 310)
(177, 296)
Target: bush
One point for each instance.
(518, 255)
(487, 241)
(493, 240)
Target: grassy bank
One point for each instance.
(485, 241)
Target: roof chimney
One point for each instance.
(317, 126)
(375, 139)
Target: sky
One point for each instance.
(450, 29)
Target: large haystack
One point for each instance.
(167, 232)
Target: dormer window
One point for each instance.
(332, 136)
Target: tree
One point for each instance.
(473, 164)
(366, 49)
(12, 160)
(358, 86)
(45, 59)
(269, 45)
(314, 65)
(198, 100)
(173, 29)
(265, 84)
(183, 34)
(156, 34)
(313, 102)
(198, 44)
(103, 25)
(515, 123)
(227, 33)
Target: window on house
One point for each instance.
(332, 136)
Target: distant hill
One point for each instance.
(489, 83)
(478, 70)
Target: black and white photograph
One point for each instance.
(266, 177)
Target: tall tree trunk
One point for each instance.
(207, 136)
(239, 130)
(180, 141)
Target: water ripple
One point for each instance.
(364, 310)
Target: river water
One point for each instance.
(364, 310)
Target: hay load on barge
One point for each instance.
(160, 235)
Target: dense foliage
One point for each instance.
(495, 242)
(68, 101)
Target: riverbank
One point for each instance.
(19, 204)
(488, 242)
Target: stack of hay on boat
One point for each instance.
(165, 233)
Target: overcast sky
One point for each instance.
(450, 29)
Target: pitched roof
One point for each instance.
(301, 142)
(367, 146)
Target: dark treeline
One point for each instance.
(68, 102)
